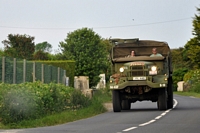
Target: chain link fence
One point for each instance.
(15, 71)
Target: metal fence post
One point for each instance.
(33, 74)
(64, 77)
(24, 71)
(14, 70)
(42, 73)
(58, 77)
(3, 69)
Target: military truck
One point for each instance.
(140, 77)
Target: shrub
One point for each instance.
(18, 104)
(78, 100)
(32, 100)
(195, 88)
(178, 75)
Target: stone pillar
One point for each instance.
(180, 85)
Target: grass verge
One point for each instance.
(95, 108)
(194, 94)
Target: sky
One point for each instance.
(52, 20)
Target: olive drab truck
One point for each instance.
(140, 77)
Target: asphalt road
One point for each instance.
(142, 118)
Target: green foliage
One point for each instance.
(78, 100)
(67, 65)
(192, 48)
(44, 47)
(178, 75)
(40, 55)
(195, 88)
(2, 52)
(57, 56)
(178, 60)
(192, 78)
(103, 95)
(88, 50)
(19, 46)
(83, 109)
(196, 24)
(188, 76)
(17, 104)
(192, 75)
(33, 100)
(187, 93)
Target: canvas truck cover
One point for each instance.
(123, 47)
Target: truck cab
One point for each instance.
(140, 77)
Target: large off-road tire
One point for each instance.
(126, 105)
(162, 99)
(170, 101)
(116, 101)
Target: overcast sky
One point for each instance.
(51, 20)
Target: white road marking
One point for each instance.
(163, 114)
(158, 117)
(128, 129)
(144, 124)
(175, 103)
(151, 121)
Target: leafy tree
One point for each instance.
(196, 25)
(192, 48)
(44, 46)
(88, 50)
(178, 75)
(108, 45)
(40, 55)
(2, 52)
(19, 46)
(178, 59)
(57, 56)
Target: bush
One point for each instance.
(18, 104)
(33, 100)
(78, 100)
(195, 88)
(178, 75)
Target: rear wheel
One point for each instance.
(126, 105)
(170, 94)
(116, 101)
(162, 99)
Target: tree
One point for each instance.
(88, 50)
(40, 55)
(196, 25)
(192, 47)
(2, 52)
(178, 59)
(44, 46)
(19, 46)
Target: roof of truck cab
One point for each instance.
(122, 47)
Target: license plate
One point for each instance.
(114, 87)
(152, 72)
(139, 78)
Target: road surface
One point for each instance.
(142, 118)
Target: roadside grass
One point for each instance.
(186, 93)
(95, 108)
